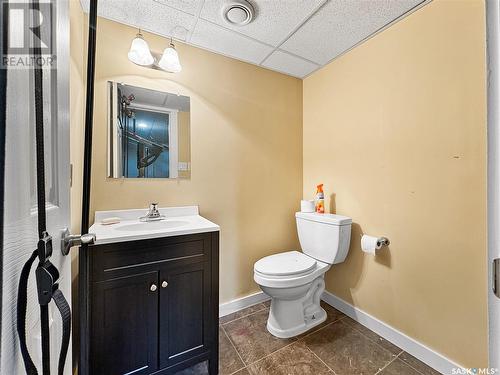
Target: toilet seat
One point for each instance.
(290, 263)
(289, 269)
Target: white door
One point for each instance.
(20, 230)
(493, 39)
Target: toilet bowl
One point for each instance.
(295, 280)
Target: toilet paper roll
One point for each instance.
(307, 206)
(369, 244)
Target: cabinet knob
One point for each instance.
(164, 284)
(153, 287)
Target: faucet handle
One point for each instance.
(152, 214)
(153, 210)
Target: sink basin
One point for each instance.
(177, 221)
(152, 225)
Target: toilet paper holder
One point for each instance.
(383, 241)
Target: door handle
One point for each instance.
(153, 287)
(69, 240)
(496, 277)
(164, 284)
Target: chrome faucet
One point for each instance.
(153, 214)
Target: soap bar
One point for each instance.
(110, 220)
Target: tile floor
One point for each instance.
(339, 346)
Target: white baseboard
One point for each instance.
(241, 303)
(408, 344)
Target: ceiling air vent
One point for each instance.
(238, 12)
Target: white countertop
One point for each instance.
(177, 221)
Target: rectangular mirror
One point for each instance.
(148, 133)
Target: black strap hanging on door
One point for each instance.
(46, 273)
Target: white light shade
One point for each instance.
(170, 60)
(139, 52)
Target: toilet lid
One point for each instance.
(285, 264)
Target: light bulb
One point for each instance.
(139, 52)
(170, 60)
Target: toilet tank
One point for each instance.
(325, 237)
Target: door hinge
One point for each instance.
(496, 277)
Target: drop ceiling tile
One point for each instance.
(180, 102)
(188, 6)
(148, 15)
(341, 24)
(217, 39)
(274, 21)
(289, 64)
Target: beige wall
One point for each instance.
(396, 129)
(246, 149)
(78, 55)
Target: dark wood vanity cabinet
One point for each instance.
(149, 306)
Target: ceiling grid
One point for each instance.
(294, 37)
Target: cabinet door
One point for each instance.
(125, 325)
(184, 298)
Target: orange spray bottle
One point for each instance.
(320, 199)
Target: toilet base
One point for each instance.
(318, 318)
(295, 310)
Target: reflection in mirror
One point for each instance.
(148, 133)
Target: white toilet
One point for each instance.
(295, 280)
